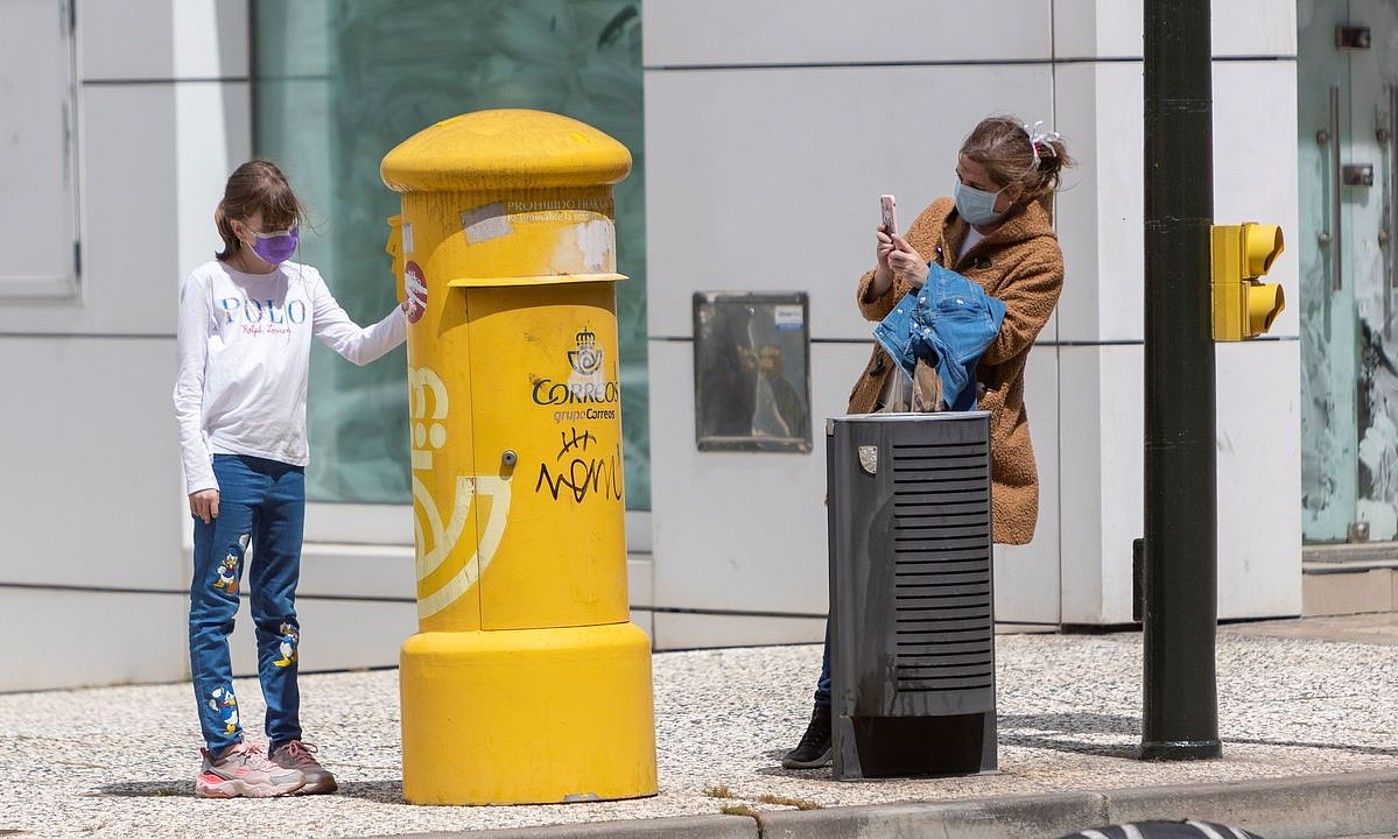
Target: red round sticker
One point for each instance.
(415, 287)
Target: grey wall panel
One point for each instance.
(769, 179)
(1255, 139)
(153, 164)
(127, 166)
(738, 530)
(1259, 479)
(163, 39)
(91, 493)
(686, 33)
(213, 137)
(1102, 485)
(1259, 495)
(1113, 28)
(1254, 27)
(686, 631)
(66, 639)
(130, 40)
(1101, 209)
(1097, 29)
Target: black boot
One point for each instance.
(813, 751)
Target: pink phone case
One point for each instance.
(888, 207)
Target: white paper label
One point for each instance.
(788, 316)
(485, 223)
(596, 239)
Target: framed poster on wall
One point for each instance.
(752, 355)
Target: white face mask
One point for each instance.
(976, 205)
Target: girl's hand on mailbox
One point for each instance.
(908, 262)
(416, 296)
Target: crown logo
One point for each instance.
(587, 358)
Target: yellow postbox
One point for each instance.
(526, 681)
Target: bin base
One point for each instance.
(893, 747)
(527, 716)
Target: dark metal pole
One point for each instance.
(1180, 720)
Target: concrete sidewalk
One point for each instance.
(120, 761)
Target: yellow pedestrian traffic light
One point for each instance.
(1243, 307)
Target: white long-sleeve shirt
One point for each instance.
(244, 359)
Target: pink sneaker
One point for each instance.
(242, 770)
(302, 757)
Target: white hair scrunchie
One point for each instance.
(1039, 137)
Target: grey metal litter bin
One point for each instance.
(911, 594)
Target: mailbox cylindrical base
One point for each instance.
(528, 716)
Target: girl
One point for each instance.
(997, 232)
(245, 326)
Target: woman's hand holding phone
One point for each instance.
(894, 253)
(907, 261)
(883, 272)
(883, 245)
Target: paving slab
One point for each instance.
(120, 761)
(1379, 628)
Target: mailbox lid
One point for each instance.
(505, 148)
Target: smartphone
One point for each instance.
(888, 209)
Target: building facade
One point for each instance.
(763, 134)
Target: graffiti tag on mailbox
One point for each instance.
(584, 474)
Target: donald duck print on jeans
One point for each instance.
(227, 580)
(225, 704)
(288, 636)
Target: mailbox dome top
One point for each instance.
(504, 149)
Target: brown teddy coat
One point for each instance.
(1022, 265)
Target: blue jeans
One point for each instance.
(262, 505)
(822, 691)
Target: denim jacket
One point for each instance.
(948, 324)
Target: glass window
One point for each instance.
(338, 83)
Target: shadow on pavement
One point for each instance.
(144, 789)
(1067, 732)
(379, 792)
(1382, 751)
(1056, 731)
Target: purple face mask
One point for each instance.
(276, 248)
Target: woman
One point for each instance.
(996, 231)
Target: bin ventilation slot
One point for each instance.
(942, 572)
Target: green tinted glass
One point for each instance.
(338, 83)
